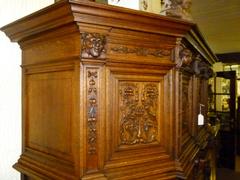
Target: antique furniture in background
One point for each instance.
(112, 93)
(223, 105)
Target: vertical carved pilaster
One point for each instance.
(92, 108)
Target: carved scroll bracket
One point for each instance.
(93, 46)
(183, 56)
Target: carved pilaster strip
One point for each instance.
(92, 108)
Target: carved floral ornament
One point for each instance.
(188, 61)
(93, 45)
(138, 112)
(139, 51)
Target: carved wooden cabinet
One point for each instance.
(110, 93)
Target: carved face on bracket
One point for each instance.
(186, 56)
(93, 44)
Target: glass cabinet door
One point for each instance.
(222, 103)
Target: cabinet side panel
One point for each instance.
(49, 113)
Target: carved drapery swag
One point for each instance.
(179, 9)
(93, 45)
(186, 60)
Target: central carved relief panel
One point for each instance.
(138, 112)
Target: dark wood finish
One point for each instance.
(110, 93)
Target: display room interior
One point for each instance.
(119, 89)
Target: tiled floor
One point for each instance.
(227, 174)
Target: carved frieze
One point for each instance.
(93, 45)
(141, 51)
(92, 78)
(138, 113)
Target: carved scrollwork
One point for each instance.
(92, 76)
(93, 45)
(138, 109)
(141, 51)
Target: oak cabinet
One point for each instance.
(110, 93)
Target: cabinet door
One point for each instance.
(139, 132)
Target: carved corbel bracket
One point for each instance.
(201, 68)
(93, 45)
(191, 62)
(183, 56)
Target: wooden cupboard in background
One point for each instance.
(112, 93)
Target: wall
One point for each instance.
(153, 6)
(10, 86)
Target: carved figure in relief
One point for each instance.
(180, 9)
(183, 57)
(201, 68)
(93, 45)
(138, 106)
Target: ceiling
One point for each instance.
(219, 22)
